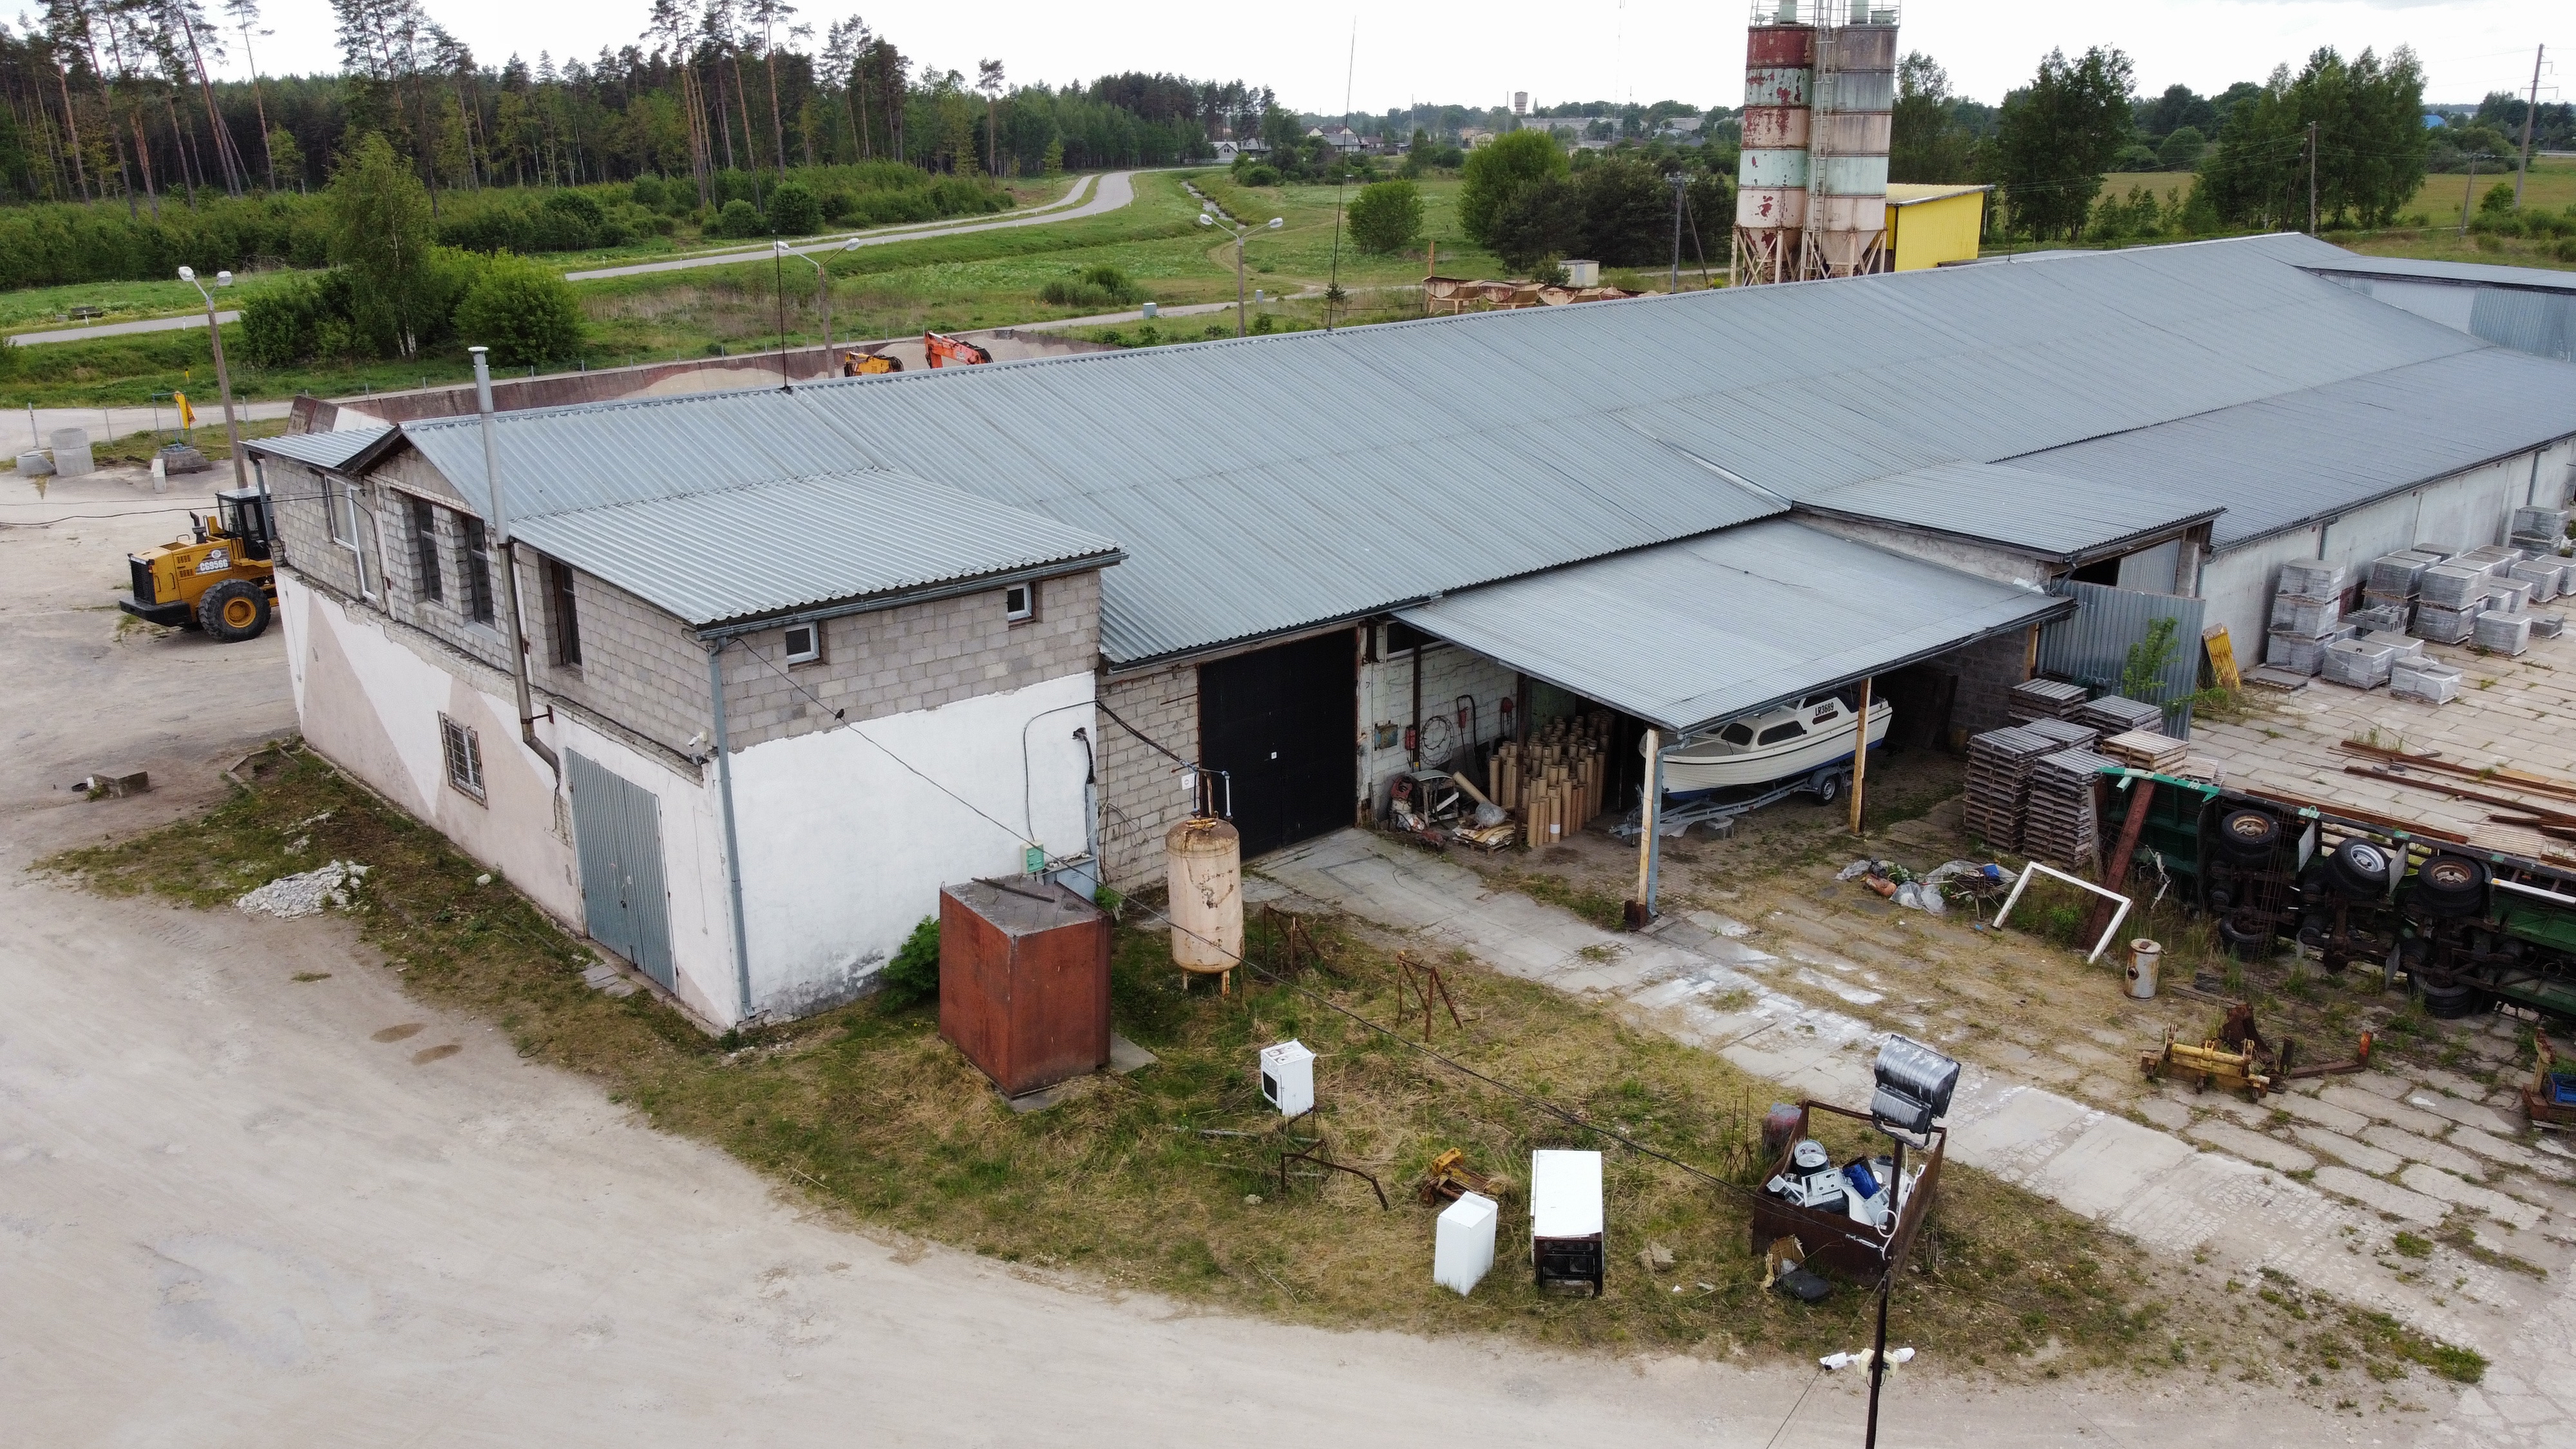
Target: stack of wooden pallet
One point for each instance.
(1999, 764)
(1555, 780)
(2147, 750)
(2115, 714)
(2069, 734)
(2060, 821)
(2043, 699)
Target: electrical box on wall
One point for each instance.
(1386, 734)
(1288, 1077)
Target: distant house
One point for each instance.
(1226, 151)
(1340, 138)
(1472, 137)
(1680, 128)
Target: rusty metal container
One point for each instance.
(1772, 175)
(1203, 871)
(1832, 1239)
(1024, 981)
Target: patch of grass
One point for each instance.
(869, 1112)
(2387, 1338)
(2409, 1245)
(1593, 904)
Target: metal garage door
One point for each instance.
(617, 829)
(1280, 722)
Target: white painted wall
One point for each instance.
(2460, 512)
(1386, 694)
(368, 695)
(844, 850)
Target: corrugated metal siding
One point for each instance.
(1991, 502)
(1692, 633)
(1264, 483)
(709, 557)
(2540, 323)
(322, 450)
(2091, 646)
(2286, 461)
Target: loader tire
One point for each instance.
(233, 611)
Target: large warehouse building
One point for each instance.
(801, 657)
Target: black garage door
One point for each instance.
(1280, 722)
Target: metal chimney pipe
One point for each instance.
(516, 640)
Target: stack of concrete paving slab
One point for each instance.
(2543, 577)
(1999, 766)
(2446, 609)
(2503, 632)
(2542, 530)
(2428, 680)
(2358, 663)
(2307, 615)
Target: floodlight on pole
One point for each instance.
(1240, 231)
(1914, 1086)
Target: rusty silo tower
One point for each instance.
(1773, 177)
(1852, 108)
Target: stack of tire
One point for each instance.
(2446, 888)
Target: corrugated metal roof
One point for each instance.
(2479, 274)
(734, 553)
(1991, 502)
(321, 450)
(1689, 634)
(2285, 462)
(1268, 483)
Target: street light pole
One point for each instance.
(1240, 232)
(223, 376)
(823, 285)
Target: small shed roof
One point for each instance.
(745, 553)
(2048, 515)
(321, 450)
(1909, 193)
(1690, 634)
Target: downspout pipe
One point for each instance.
(732, 840)
(518, 640)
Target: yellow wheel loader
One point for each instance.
(222, 581)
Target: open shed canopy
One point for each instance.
(1691, 634)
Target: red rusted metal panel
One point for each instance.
(1775, 128)
(1024, 981)
(1766, 45)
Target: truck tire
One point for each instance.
(2451, 1002)
(233, 611)
(2448, 887)
(2360, 869)
(2249, 837)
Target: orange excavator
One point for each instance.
(952, 352)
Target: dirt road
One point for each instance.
(241, 1208)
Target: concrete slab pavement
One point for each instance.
(1727, 995)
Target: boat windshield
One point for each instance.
(1738, 733)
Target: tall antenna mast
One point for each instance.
(1342, 175)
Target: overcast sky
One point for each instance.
(1650, 50)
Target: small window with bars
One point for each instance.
(424, 550)
(478, 569)
(464, 753)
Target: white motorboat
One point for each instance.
(1792, 742)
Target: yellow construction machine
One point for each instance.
(222, 581)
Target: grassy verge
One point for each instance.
(1134, 1181)
(211, 439)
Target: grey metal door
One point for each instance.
(617, 828)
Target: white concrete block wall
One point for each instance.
(1141, 798)
(1386, 696)
(844, 849)
(2460, 512)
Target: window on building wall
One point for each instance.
(1020, 602)
(464, 752)
(563, 623)
(341, 502)
(424, 549)
(804, 643)
(478, 569)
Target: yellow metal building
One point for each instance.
(1928, 225)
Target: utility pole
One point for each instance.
(2312, 178)
(1679, 180)
(2530, 109)
(2470, 191)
